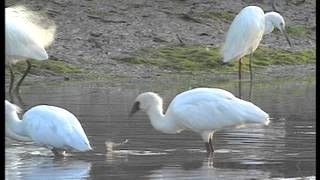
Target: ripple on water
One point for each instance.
(283, 149)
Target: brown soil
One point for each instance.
(92, 33)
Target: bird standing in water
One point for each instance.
(202, 110)
(52, 127)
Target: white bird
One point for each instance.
(25, 39)
(246, 31)
(48, 126)
(202, 110)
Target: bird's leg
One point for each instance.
(23, 76)
(207, 147)
(11, 82)
(250, 65)
(250, 91)
(211, 146)
(240, 78)
(239, 71)
(20, 101)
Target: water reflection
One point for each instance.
(285, 148)
(28, 163)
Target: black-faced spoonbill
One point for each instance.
(52, 127)
(202, 110)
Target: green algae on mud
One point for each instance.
(200, 58)
(298, 30)
(55, 70)
(47, 68)
(226, 16)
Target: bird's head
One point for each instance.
(12, 107)
(278, 21)
(145, 101)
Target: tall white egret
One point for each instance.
(25, 39)
(246, 31)
(48, 126)
(202, 110)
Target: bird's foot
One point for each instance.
(59, 152)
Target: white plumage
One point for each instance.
(48, 126)
(246, 32)
(202, 110)
(25, 38)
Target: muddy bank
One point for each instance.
(93, 34)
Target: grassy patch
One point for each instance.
(199, 58)
(225, 16)
(269, 56)
(48, 66)
(297, 30)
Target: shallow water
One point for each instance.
(131, 149)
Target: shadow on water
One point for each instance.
(285, 148)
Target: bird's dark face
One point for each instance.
(145, 101)
(135, 108)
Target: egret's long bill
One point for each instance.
(135, 108)
(286, 35)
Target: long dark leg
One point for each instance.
(23, 76)
(239, 71)
(240, 78)
(250, 91)
(11, 83)
(207, 147)
(250, 66)
(20, 101)
(211, 146)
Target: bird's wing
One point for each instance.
(244, 34)
(24, 39)
(20, 42)
(55, 127)
(215, 110)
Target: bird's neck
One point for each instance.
(160, 121)
(15, 128)
(268, 28)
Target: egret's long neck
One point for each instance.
(268, 19)
(15, 128)
(160, 121)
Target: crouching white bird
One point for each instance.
(202, 110)
(48, 126)
(25, 39)
(246, 32)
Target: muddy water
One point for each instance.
(131, 149)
